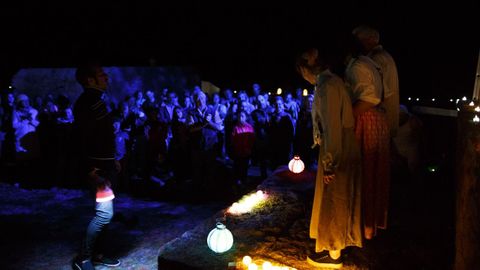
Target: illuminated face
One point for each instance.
(256, 89)
(10, 98)
(172, 98)
(179, 113)
(116, 126)
(243, 117)
(201, 102)
(261, 101)
(242, 97)
(279, 105)
(216, 99)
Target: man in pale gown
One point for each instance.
(336, 218)
(369, 38)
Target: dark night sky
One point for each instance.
(436, 47)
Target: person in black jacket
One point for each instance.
(93, 127)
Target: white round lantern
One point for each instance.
(296, 165)
(220, 239)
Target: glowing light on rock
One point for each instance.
(247, 260)
(296, 165)
(266, 266)
(247, 203)
(220, 239)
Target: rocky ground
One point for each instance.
(420, 235)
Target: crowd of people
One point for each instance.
(159, 137)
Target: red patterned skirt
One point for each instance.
(373, 135)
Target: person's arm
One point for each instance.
(215, 121)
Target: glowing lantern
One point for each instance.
(296, 165)
(220, 239)
(279, 91)
(305, 92)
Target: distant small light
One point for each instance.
(433, 99)
(476, 119)
(458, 109)
(457, 100)
(305, 92)
(279, 91)
(471, 104)
(451, 100)
(477, 109)
(432, 168)
(10, 87)
(269, 93)
(464, 99)
(234, 91)
(417, 99)
(409, 98)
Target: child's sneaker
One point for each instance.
(82, 264)
(102, 260)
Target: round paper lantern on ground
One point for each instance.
(220, 239)
(296, 165)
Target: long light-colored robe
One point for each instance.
(336, 218)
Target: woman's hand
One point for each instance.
(328, 177)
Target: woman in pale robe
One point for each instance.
(336, 218)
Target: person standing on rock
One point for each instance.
(93, 128)
(336, 218)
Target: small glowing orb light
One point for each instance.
(247, 260)
(305, 92)
(471, 104)
(279, 91)
(432, 168)
(433, 99)
(409, 98)
(477, 109)
(476, 119)
(464, 99)
(418, 99)
(269, 93)
(296, 165)
(220, 239)
(247, 203)
(267, 266)
(451, 100)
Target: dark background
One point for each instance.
(236, 43)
